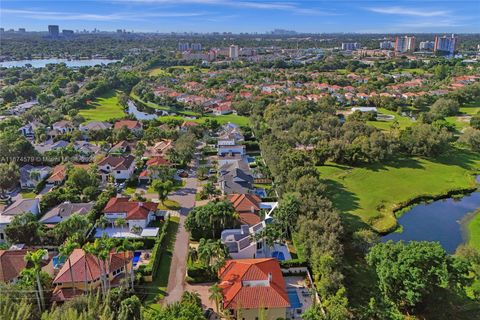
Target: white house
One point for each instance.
(119, 167)
(31, 176)
(137, 215)
(232, 150)
(63, 126)
(15, 209)
(241, 242)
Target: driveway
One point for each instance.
(178, 268)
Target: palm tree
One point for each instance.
(215, 295)
(125, 246)
(65, 251)
(36, 258)
(120, 222)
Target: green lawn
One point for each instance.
(223, 119)
(169, 205)
(473, 229)
(161, 71)
(28, 194)
(403, 122)
(370, 194)
(103, 108)
(158, 288)
(411, 70)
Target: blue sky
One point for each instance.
(388, 16)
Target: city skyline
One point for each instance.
(244, 16)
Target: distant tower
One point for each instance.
(404, 44)
(233, 52)
(53, 31)
(446, 44)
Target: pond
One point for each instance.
(439, 221)
(139, 115)
(40, 63)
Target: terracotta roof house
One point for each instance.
(187, 124)
(120, 167)
(247, 206)
(158, 149)
(136, 214)
(250, 285)
(133, 125)
(86, 271)
(59, 174)
(12, 262)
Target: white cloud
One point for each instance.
(409, 11)
(55, 15)
(260, 5)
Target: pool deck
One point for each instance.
(303, 292)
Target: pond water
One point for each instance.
(40, 63)
(437, 221)
(139, 115)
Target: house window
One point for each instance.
(2, 236)
(118, 171)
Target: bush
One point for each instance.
(294, 263)
(200, 274)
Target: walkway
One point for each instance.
(178, 268)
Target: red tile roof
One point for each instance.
(158, 161)
(130, 124)
(135, 210)
(245, 203)
(59, 174)
(92, 271)
(267, 290)
(12, 262)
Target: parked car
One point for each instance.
(208, 313)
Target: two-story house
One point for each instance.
(87, 270)
(136, 214)
(132, 125)
(235, 177)
(119, 167)
(254, 288)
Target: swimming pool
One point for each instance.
(279, 255)
(136, 257)
(293, 298)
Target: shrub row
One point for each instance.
(157, 252)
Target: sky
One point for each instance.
(316, 16)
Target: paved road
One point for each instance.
(176, 281)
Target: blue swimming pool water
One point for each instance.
(293, 298)
(136, 257)
(279, 255)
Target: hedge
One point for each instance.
(157, 251)
(294, 263)
(200, 274)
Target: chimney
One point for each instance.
(270, 277)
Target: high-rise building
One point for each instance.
(233, 52)
(446, 44)
(387, 45)
(350, 46)
(67, 32)
(196, 46)
(22, 30)
(404, 44)
(183, 46)
(426, 45)
(2, 30)
(53, 30)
